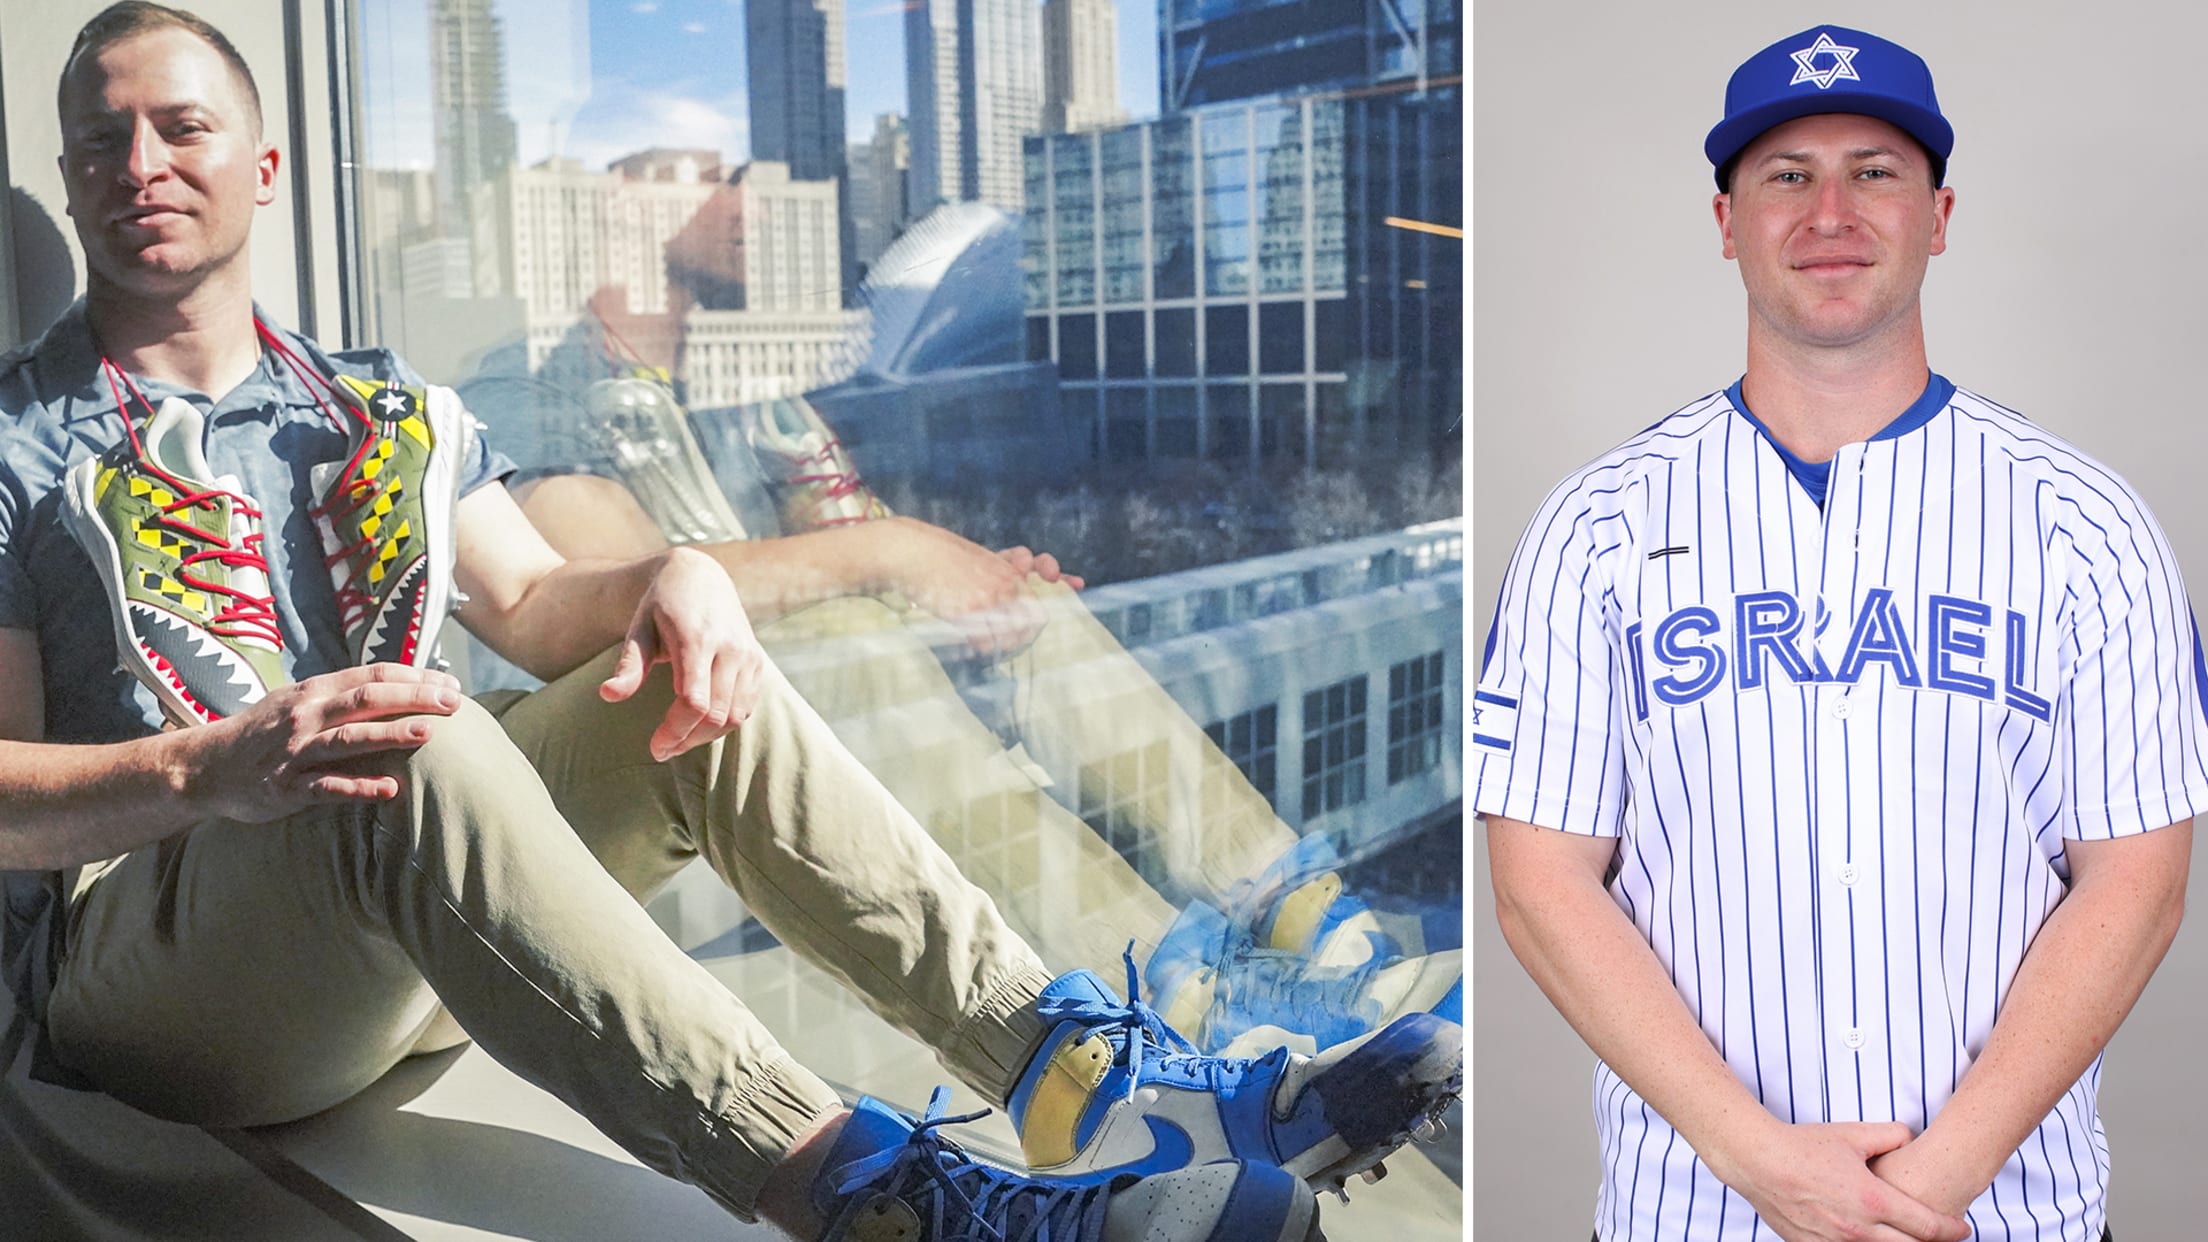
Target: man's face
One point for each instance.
(162, 162)
(1832, 219)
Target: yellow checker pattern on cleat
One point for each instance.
(389, 551)
(171, 589)
(166, 542)
(154, 494)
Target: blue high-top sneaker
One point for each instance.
(1299, 905)
(891, 1179)
(1213, 984)
(1115, 1090)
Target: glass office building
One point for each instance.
(1245, 282)
(1212, 51)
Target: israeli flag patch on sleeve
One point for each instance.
(1494, 721)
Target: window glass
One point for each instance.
(1176, 341)
(1227, 203)
(1282, 242)
(711, 272)
(1280, 331)
(1227, 339)
(1173, 209)
(1125, 264)
(1123, 350)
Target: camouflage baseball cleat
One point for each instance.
(180, 555)
(386, 516)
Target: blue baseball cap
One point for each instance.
(1830, 69)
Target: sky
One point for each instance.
(593, 80)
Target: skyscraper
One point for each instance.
(973, 77)
(880, 171)
(474, 133)
(1080, 65)
(794, 56)
(1211, 51)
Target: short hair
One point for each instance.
(128, 18)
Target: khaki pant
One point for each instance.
(237, 975)
(1101, 731)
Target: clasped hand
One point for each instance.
(1829, 1183)
(691, 620)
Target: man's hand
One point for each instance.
(340, 737)
(1813, 1183)
(691, 619)
(978, 591)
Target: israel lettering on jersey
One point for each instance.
(1841, 740)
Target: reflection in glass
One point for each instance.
(1281, 245)
(1124, 262)
(1227, 202)
(1010, 374)
(1073, 191)
(1172, 209)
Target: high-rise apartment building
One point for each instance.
(974, 83)
(473, 132)
(879, 201)
(1212, 51)
(1080, 65)
(556, 236)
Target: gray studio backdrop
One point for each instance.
(2074, 289)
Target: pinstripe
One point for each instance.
(1914, 883)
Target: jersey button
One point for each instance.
(1840, 708)
(1852, 1037)
(1849, 874)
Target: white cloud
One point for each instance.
(693, 27)
(645, 6)
(622, 119)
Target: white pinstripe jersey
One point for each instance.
(1977, 647)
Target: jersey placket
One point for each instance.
(1836, 866)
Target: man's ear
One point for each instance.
(1722, 206)
(264, 192)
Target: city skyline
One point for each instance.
(596, 81)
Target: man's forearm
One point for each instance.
(1602, 976)
(69, 804)
(778, 576)
(570, 614)
(2078, 980)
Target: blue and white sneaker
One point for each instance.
(891, 1179)
(1225, 993)
(1115, 1090)
(1298, 905)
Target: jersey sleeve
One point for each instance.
(1547, 725)
(2130, 721)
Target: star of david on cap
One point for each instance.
(1843, 63)
(1853, 72)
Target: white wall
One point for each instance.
(2070, 290)
(41, 267)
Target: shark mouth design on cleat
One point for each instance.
(210, 677)
(396, 633)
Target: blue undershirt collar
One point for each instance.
(1812, 475)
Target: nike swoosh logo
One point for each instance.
(1171, 1148)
